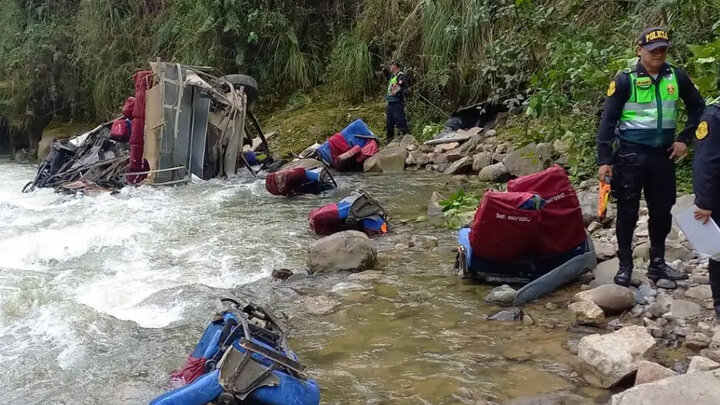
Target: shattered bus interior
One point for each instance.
(182, 121)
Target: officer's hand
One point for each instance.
(702, 215)
(677, 150)
(603, 171)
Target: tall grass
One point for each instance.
(351, 66)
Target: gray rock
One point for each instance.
(702, 388)
(588, 202)
(611, 298)
(503, 295)
(444, 147)
(681, 309)
(594, 226)
(481, 161)
(667, 284)
(318, 305)
(441, 159)
(679, 253)
(434, 209)
(367, 275)
(697, 341)
(642, 251)
(561, 147)
(527, 320)
(454, 155)
(712, 354)
(644, 293)
(609, 358)
(546, 150)
(699, 363)
(587, 313)
(346, 287)
(494, 173)
(423, 241)
(21, 156)
(408, 142)
(461, 166)
(526, 160)
(347, 250)
(700, 292)
(507, 315)
(44, 148)
(387, 160)
(604, 251)
(648, 372)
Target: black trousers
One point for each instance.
(642, 170)
(396, 118)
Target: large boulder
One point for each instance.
(503, 295)
(387, 160)
(700, 363)
(701, 388)
(609, 358)
(495, 173)
(612, 298)
(528, 160)
(348, 250)
(589, 205)
(461, 166)
(304, 163)
(648, 372)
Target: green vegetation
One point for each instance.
(547, 60)
(458, 207)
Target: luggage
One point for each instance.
(357, 212)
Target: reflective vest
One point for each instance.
(393, 81)
(649, 115)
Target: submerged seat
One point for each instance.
(299, 181)
(356, 212)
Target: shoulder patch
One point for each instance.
(611, 89)
(702, 130)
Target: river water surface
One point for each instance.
(101, 297)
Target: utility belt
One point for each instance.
(630, 147)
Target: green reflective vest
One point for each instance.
(650, 114)
(393, 81)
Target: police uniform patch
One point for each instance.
(702, 130)
(611, 89)
(671, 89)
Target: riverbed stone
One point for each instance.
(502, 295)
(609, 358)
(681, 309)
(604, 250)
(318, 305)
(435, 210)
(481, 161)
(612, 298)
(527, 160)
(494, 173)
(648, 372)
(697, 341)
(700, 363)
(587, 313)
(388, 160)
(460, 166)
(423, 241)
(702, 388)
(588, 203)
(507, 315)
(700, 292)
(347, 250)
(642, 251)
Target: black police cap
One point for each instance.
(653, 38)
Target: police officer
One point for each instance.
(706, 182)
(639, 119)
(395, 97)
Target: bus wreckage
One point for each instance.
(181, 122)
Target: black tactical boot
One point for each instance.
(658, 269)
(626, 268)
(715, 284)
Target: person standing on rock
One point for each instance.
(706, 182)
(639, 119)
(396, 91)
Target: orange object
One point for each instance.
(384, 228)
(603, 197)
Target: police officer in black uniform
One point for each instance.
(639, 120)
(706, 182)
(396, 91)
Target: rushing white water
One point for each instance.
(72, 269)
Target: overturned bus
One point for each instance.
(181, 122)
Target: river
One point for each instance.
(101, 297)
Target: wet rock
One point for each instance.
(526, 160)
(44, 147)
(434, 209)
(667, 284)
(527, 320)
(318, 305)
(481, 161)
(609, 358)
(699, 363)
(507, 315)
(611, 298)
(495, 173)
(461, 166)
(367, 275)
(423, 241)
(503, 295)
(587, 313)
(21, 156)
(604, 251)
(346, 287)
(700, 292)
(387, 160)
(296, 277)
(402, 246)
(304, 163)
(282, 274)
(551, 306)
(594, 226)
(681, 309)
(648, 372)
(697, 341)
(347, 250)
(702, 388)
